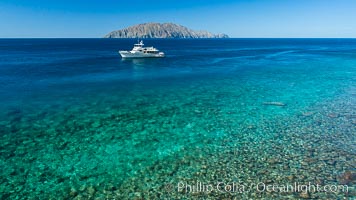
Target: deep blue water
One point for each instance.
(66, 69)
(73, 111)
(31, 65)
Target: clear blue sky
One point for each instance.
(239, 18)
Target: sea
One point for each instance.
(214, 119)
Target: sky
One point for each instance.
(238, 18)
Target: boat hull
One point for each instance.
(128, 54)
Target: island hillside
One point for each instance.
(161, 30)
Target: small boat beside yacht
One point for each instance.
(139, 51)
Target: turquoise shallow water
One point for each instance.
(79, 122)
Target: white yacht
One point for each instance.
(142, 52)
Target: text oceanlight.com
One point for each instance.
(233, 187)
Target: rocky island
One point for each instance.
(161, 30)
